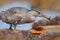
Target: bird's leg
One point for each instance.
(14, 26)
(10, 27)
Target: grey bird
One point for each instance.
(18, 15)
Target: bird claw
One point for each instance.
(14, 28)
(10, 29)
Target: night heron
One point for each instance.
(18, 15)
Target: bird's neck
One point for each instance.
(32, 15)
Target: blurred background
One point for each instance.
(42, 4)
(50, 7)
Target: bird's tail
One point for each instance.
(1, 13)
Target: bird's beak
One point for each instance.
(40, 14)
(43, 16)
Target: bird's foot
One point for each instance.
(10, 29)
(14, 28)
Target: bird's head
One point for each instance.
(35, 12)
(38, 13)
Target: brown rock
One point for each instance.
(49, 34)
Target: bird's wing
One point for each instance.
(16, 17)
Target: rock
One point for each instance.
(49, 34)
